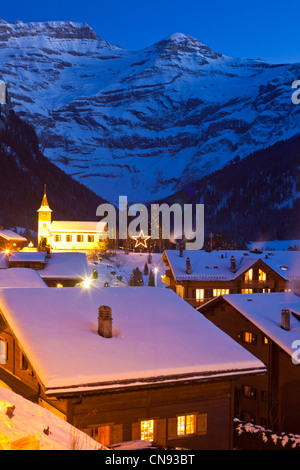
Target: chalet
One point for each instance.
(67, 235)
(198, 276)
(10, 240)
(269, 327)
(61, 269)
(124, 364)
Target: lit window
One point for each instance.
(102, 434)
(247, 291)
(249, 275)
(91, 238)
(79, 238)
(59, 285)
(68, 238)
(3, 351)
(265, 340)
(180, 291)
(217, 292)
(287, 290)
(147, 430)
(262, 276)
(249, 337)
(186, 425)
(57, 238)
(199, 294)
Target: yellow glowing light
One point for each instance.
(141, 239)
(7, 252)
(59, 285)
(87, 283)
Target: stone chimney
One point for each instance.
(232, 264)
(104, 322)
(285, 319)
(188, 266)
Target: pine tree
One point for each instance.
(136, 278)
(151, 282)
(146, 269)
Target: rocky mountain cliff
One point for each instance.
(142, 123)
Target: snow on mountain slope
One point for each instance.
(142, 123)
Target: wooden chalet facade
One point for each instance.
(258, 323)
(198, 276)
(186, 408)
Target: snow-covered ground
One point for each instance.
(122, 265)
(31, 420)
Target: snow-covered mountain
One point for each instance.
(142, 123)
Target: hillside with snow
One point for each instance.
(20, 418)
(143, 123)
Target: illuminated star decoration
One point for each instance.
(141, 239)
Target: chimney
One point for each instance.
(285, 319)
(232, 264)
(104, 322)
(188, 266)
(180, 251)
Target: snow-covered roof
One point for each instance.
(10, 235)
(66, 265)
(75, 226)
(215, 265)
(20, 277)
(157, 337)
(27, 257)
(61, 265)
(29, 419)
(264, 311)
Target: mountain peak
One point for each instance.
(178, 43)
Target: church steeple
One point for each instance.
(44, 221)
(45, 205)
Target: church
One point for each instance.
(67, 235)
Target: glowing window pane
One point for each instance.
(217, 292)
(262, 276)
(248, 337)
(199, 294)
(249, 275)
(147, 430)
(186, 425)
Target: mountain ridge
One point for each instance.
(143, 123)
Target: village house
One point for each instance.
(67, 235)
(10, 240)
(269, 327)
(197, 276)
(124, 364)
(61, 269)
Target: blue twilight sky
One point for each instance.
(266, 29)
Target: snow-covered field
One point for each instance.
(31, 420)
(121, 266)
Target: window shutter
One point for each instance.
(160, 436)
(135, 431)
(172, 428)
(202, 424)
(116, 433)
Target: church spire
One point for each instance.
(45, 204)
